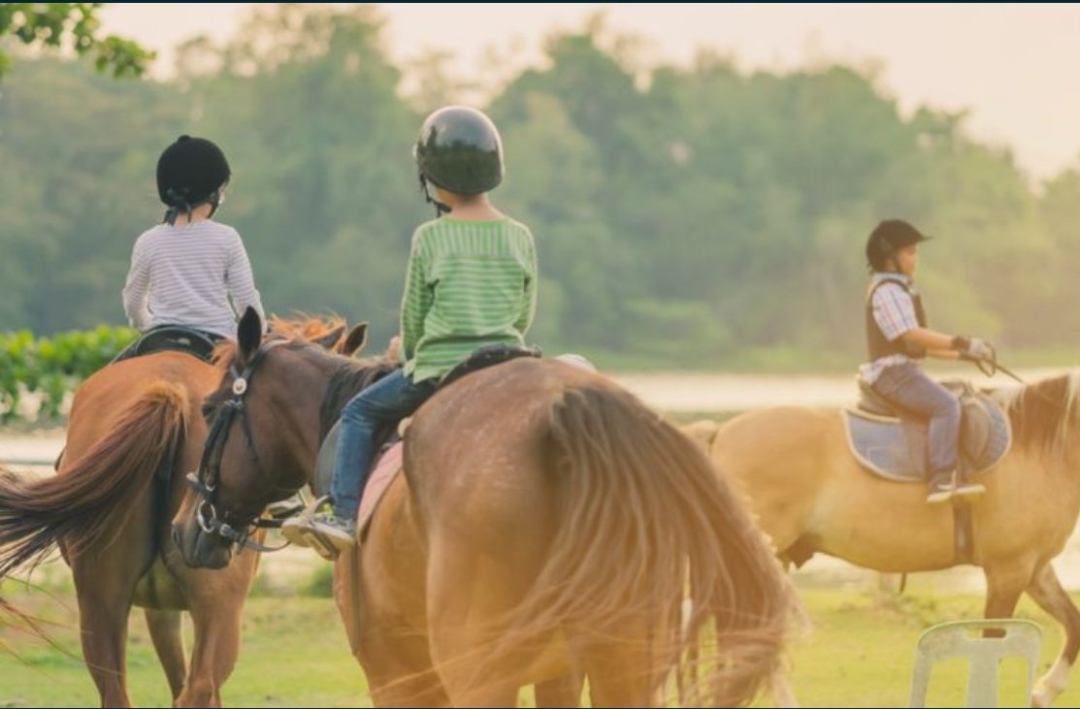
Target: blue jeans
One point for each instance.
(388, 400)
(908, 387)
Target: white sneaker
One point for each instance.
(340, 532)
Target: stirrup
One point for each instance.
(941, 490)
(289, 507)
(966, 490)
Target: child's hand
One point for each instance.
(393, 350)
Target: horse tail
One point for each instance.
(99, 491)
(647, 530)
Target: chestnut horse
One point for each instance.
(811, 495)
(546, 521)
(135, 428)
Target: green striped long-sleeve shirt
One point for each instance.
(469, 284)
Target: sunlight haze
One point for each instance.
(1016, 68)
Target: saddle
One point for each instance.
(389, 442)
(173, 338)
(892, 443)
(484, 357)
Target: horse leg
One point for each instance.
(399, 673)
(217, 645)
(216, 599)
(466, 596)
(617, 677)
(1047, 591)
(169, 644)
(104, 604)
(454, 649)
(1004, 584)
(564, 691)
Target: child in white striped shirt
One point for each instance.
(190, 270)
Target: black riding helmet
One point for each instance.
(190, 172)
(887, 238)
(459, 150)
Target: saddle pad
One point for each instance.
(896, 451)
(384, 473)
(881, 446)
(386, 468)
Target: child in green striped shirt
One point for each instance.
(471, 282)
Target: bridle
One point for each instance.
(206, 479)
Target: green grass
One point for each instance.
(294, 653)
(859, 652)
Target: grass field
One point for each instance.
(859, 652)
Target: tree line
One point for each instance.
(696, 216)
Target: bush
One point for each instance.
(52, 366)
(321, 583)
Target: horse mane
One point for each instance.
(350, 377)
(1042, 413)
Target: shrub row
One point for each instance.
(49, 367)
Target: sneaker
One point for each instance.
(294, 530)
(969, 489)
(341, 533)
(941, 490)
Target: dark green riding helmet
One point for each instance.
(459, 150)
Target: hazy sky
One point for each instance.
(1016, 67)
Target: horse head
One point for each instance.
(264, 432)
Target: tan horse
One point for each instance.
(135, 428)
(811, 496)
(546, 520)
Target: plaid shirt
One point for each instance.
(894, 313)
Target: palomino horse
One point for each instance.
(811, 496)
(135, 429)
(546, 520)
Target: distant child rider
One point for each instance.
(897, 337)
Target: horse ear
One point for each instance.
(249, 334)
(330, 339)
(356, 340)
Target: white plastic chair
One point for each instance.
(964, 639)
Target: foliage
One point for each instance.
(71, 24)
(50, 367)
(695, 215)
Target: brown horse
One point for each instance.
(811, 496)
(135, 428)
(546, 520)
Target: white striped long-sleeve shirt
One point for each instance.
(185, 275)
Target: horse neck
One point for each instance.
(346, 378)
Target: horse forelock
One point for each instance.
(1043, 414)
